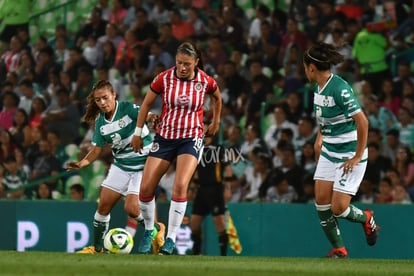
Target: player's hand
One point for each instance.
(73, 166)
(348, 165)
(212, 129)
(136, 143)
(154, 120)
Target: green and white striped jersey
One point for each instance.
(334, 106)
(118, 133)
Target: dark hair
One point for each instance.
(92, 109)
(26, 117)
(77, 187)
(187, 48)
(322, 55)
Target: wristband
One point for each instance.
(138, 131)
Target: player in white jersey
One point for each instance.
(180, 136)
(340, 148)
(115, 124)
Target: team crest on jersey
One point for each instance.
(155, 147)
(325, 101)
(198, 87)
(121, 123)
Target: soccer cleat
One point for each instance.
(168, 247)
(337, 253)
(89, 250)
(370, 228)
(159, 240)
(145, 244)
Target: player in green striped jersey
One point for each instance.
(340, 148)
(115, 124)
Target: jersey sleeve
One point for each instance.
(132, 110)
(157, 84)
(97, 139)
(347, 101)
(211, 85)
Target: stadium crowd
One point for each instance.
(268, 126)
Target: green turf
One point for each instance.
(47, 263)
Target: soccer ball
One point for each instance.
(118, 241)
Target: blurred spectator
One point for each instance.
(46, 165)
(306, 134)
(77, 192)
(76, 60)
(94, 26)
(392, 144)
(158, 56)
(45, 62)
(117, 12)
(144, 30)
(281, 191)
(105, 8)
(43, 192)
(256, 177)
(405, 167)
(385, 191)
(10, 103)
(369, 50)
(366, 193)
(293, 36)
(294, 173)
(388, 97)
(124, 52)
(406, 126)
(272, 135)
(11, 58)
(28, 93)
(90, 51)
(230, 28)
(7, 145)
(64, 119)
(262, 13)
(379, 117)
(130, 16)
(32, 152)
(167, 40)
(108, 54)
(82, 88)
(21, 131)
(103, 74)
(236, 84)
(111, 34)
(56, 148)
(312, 23)
(377, 164)
(13, 178)
(26, 63)
(198, 24)
(252, 140)
(61, 32)
(181, 29)
(39, 105)
(400, 195)
(160, 12)
(307, 158)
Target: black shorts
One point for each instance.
(209, 199)
(168, 149)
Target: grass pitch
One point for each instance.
(49, 263)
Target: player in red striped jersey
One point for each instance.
(179, 135)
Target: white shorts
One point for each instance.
(123, 182)
(345, 183)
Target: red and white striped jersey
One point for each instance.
(182, 111)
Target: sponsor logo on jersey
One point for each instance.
(155, 147)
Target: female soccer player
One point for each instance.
(340, 148)
(180, 134)
(115, 124)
